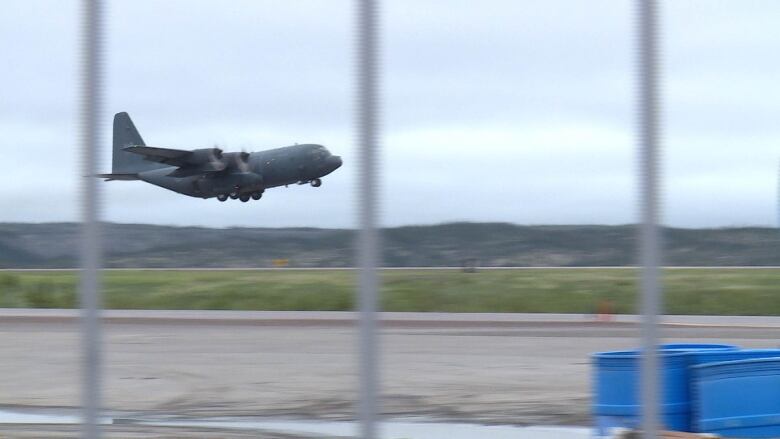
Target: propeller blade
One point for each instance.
(215, 160)
(242, 160)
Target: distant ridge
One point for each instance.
(55, 245)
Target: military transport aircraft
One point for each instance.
(208, 172)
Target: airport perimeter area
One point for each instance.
(491, 369)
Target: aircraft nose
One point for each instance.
(334, 161)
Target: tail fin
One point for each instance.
(125, 134)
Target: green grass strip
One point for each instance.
(727, 291)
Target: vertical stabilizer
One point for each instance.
(125, 134)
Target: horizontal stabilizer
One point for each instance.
(111, 177)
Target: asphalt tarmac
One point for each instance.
(493, 369)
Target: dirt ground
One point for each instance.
(524, 374)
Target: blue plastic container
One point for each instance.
(617, 399)
(719, 356)
(616, 383)
(697, 347)
(739, 398)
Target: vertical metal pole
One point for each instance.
(91, 76)
(368, 242)
(650, 248)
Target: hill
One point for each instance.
(55, 245)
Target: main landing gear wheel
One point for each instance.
(316, 182)
(222, 197)
(234, 195)
(257, 195)
(244, 198)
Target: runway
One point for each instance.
(514, 369)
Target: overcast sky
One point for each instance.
(502, 110)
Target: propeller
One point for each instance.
(242, 161)
(217, 152)
(215, 158)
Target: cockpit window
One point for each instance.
(319, 152)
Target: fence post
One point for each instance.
(89, 285)
(368, 238)
(649, 242)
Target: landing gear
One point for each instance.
(235, 194)
(316, 182)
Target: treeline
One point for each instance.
(55, 245)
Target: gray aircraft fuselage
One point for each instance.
(266, 169)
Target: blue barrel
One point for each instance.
(617, 400)
(739, 398)
(718, 356)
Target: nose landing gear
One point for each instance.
(316, 182)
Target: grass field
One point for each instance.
(724, 291)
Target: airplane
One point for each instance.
(210, 172)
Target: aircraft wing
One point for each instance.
(189, 163)
(205, 168)
(173, 157)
